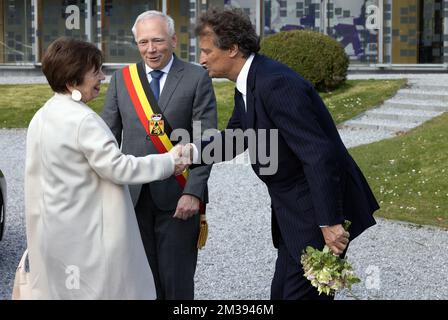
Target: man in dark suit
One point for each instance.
(184, 94)
(317, 184)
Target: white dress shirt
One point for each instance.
(241, 85)
(241, 80)
(165, 71)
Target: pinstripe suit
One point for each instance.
(317, 182)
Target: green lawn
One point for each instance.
(354, 97)
(19, 102)
(224, 97)
(409, 173)
(357, 96)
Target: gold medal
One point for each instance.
(156, 125)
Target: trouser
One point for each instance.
(170, 246)
(289, 282)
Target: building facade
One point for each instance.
(373, 32)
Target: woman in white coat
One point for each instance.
(82, 233)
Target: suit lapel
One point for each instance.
(250, 94)
(172, 80)
(250, 114)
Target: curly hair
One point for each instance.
(230, 27)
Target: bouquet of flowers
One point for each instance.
(327, 272)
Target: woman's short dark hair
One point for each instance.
(231, 26)
(67, 60)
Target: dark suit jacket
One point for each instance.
(187, 96)
(317, 182)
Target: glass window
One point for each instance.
(344, 20)
(117, 40)
(16, 33)
(417, 31)
(404, 35)
(281, 15)
(183, 13)
(60, 18)
(347, 22)
(248, 6)
(214, 3)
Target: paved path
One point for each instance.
(423, 98)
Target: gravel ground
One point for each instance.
(395, 260)
(12, 161)
(22, 80)
(29, 80)
(430, 78)
(351, 136)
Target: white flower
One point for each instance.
(327, 272)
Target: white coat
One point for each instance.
(82, 233)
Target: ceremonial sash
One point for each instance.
(145, 105)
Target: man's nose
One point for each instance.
(151, 47)
(202, 60)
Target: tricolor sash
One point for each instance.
(145, 105)
(150, 114)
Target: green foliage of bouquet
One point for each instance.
(327, 272)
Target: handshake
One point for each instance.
(183, 157)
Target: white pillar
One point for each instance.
(258, 19)
(381, 32)
(88, 20)
(34, 26)
(445, 33)
(323, 17)
(99, 26)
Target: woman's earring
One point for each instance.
(76, 95)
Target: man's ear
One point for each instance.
(234, 50)
(174, 40)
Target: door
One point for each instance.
(431, 32)
(417, 31)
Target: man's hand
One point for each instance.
(182, 158)
(187, 206)
(336, 238)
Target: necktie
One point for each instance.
(239, 104)
(239, 101)
(155, 83)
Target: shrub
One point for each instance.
(317, 57)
